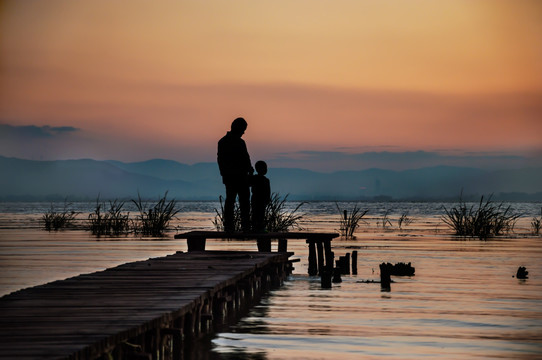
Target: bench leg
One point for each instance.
(196, 243)
(283, 245)
(264, 245)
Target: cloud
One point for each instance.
(43, 142)
(30, 132)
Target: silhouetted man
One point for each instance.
(235, 168)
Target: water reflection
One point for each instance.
(463, 301)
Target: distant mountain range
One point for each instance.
(85, 179)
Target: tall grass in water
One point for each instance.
(59, 220)
(349, 222)
(154, 220)
(484, 221)
(385, 220)
(536, 224)
(218, 221)
(112, 222)
(277, 218)
(404, 220)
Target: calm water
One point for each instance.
(463, 302)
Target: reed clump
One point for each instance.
(277, 218)
(404, 220)
(536, 224)
(153, 220)
(483, 221)
(349, 222)
(218, 221)
(58, 220)
(385, 220)
(113, 222)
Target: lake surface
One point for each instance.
(463, 302)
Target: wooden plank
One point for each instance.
(90, 312)
(256, 236)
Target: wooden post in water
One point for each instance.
(354, 262)
(337, 273)
(385, 279)
(339, 264)
(325, 279)
(329, 255)
(344, 264)
(313, 267)
(320, 248)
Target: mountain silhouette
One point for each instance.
(85, 179)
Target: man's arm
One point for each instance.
(220, 158)
(248, 164)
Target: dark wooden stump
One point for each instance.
(313, 266)
(385, 279)
(325, 279)
(522, 273)
(320, 248)
(344, 264)
(337, 275)
(329, 254)
(354, 262)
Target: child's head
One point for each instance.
(261, 167)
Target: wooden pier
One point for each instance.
(141, 310)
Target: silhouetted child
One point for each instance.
(261, 195)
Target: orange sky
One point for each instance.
(143, 79)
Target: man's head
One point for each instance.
(238, 126)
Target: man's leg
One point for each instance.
(229, 205)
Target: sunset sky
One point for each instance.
(325, 85)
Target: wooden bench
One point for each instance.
(320, 254)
